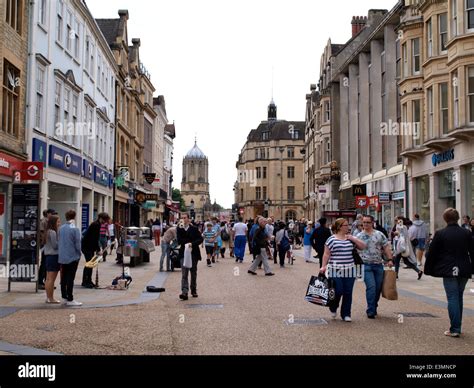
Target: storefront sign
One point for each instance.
(398, 196)
(39, 151)
(87, 169)
(100, 176)
(336, 214)
(85, 217)
(24, 236)
(359, 190)
(384, 197)
(119, 181)
(361, 202)
(31, 171)
(9, 164)
(442, 157)
(374, 201)
(64, 160)
(142, 197)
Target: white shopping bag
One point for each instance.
(187, 262)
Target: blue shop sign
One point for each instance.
(39, 151)
(101, 177)
(87, 169)
(64, 160)
(443, 157)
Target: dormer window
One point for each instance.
(266, 135)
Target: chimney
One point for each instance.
(358, 24)
(123, 13)
(136, 42)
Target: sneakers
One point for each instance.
(183, 297)
(454, 335)
(73, 303)
(347, 319)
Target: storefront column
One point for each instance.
(460, 176)
(433, 197)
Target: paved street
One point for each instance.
(236, 313)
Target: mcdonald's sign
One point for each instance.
(359, 190)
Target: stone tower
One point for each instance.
(195, 183)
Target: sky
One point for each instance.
(213, 59)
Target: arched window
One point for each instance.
(290, 216)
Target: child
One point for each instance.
(209, 239)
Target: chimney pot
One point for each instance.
(123, 13)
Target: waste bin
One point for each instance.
(145, 244)
(130, 238)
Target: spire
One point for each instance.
(272, 108)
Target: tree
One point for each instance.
(176, 196)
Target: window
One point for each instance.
(429, 37)
(405, 60)
(266, 135)
(328, 152)
(259, 172)
(291, 153)
(40, 74)
(11, 102)
(264, 192)
(417, 132)
(258, 193)
(430, 112)
(327, 112)
(290, 172)
(75, 112)
(99, 60)
(291, 193)
(470, 93)
(295, 134)
(67, 110)
(443, 101)
(42, 12)
(241, 195)
(416, 56)
(59, 21)
(76, 40)
(91, 68)
(404, 125)
(88, 54)
(57, 107)
(398, 59)
(69, 31)
(264, 173)
(127, 154)
(443, 32)
(470, 14)
(456, 100)
(454, 20)
(14, 14)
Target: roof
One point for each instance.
(195, 153)
(279, 130)
(170, 130)
(110, 29)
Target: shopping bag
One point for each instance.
(389, 286)
(187, 262)
(318, 290)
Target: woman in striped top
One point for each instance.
(339, 262)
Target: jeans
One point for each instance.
(67, 279)
(454, 288)
(184, 278)
(373, 278)
(344, 288)
(165, 251)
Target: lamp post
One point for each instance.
(281, 149)
(192, 209)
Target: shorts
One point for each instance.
(52, 264)
(421, 244)
(209, 249)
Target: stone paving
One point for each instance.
(237, 313)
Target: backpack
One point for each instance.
(285, 242)
(224, 235)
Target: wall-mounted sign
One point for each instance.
(124, 171)
(142, 197)
(100, 176)
(149, 177)
(442, 157)
(87, 170)
(39, 151)
(384, 197)
(399, 195)
(64, 160)
(362, 202)
(359, 190)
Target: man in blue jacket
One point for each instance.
(69, 250)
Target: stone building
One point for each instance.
(270, 170)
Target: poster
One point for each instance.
(24, 235)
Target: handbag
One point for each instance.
(357, 259)
(389, 285)
(318, 290)
(187, 262)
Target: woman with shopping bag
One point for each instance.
(338, 262)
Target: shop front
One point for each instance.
(441, 179)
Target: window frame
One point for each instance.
(430, 112)
(443, 34)
(10, 100)
(468, 10)
(443, 109)
(470, 95)
(40, 95)
(416, 56)
(59, 22)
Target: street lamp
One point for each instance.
(281, 149)
(192, 209)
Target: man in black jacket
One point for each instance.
(189, 235)
(319, 237)
(90, 245)
(451, 257)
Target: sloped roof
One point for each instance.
(279, 130)
(110, 29)
(195, 153)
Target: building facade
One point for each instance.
(437, 99)
(270, 170)
(364, 117)
(14, 32)
(71, 112)
(195, 183)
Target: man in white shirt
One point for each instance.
(240, 241)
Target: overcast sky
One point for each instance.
(213, 59)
